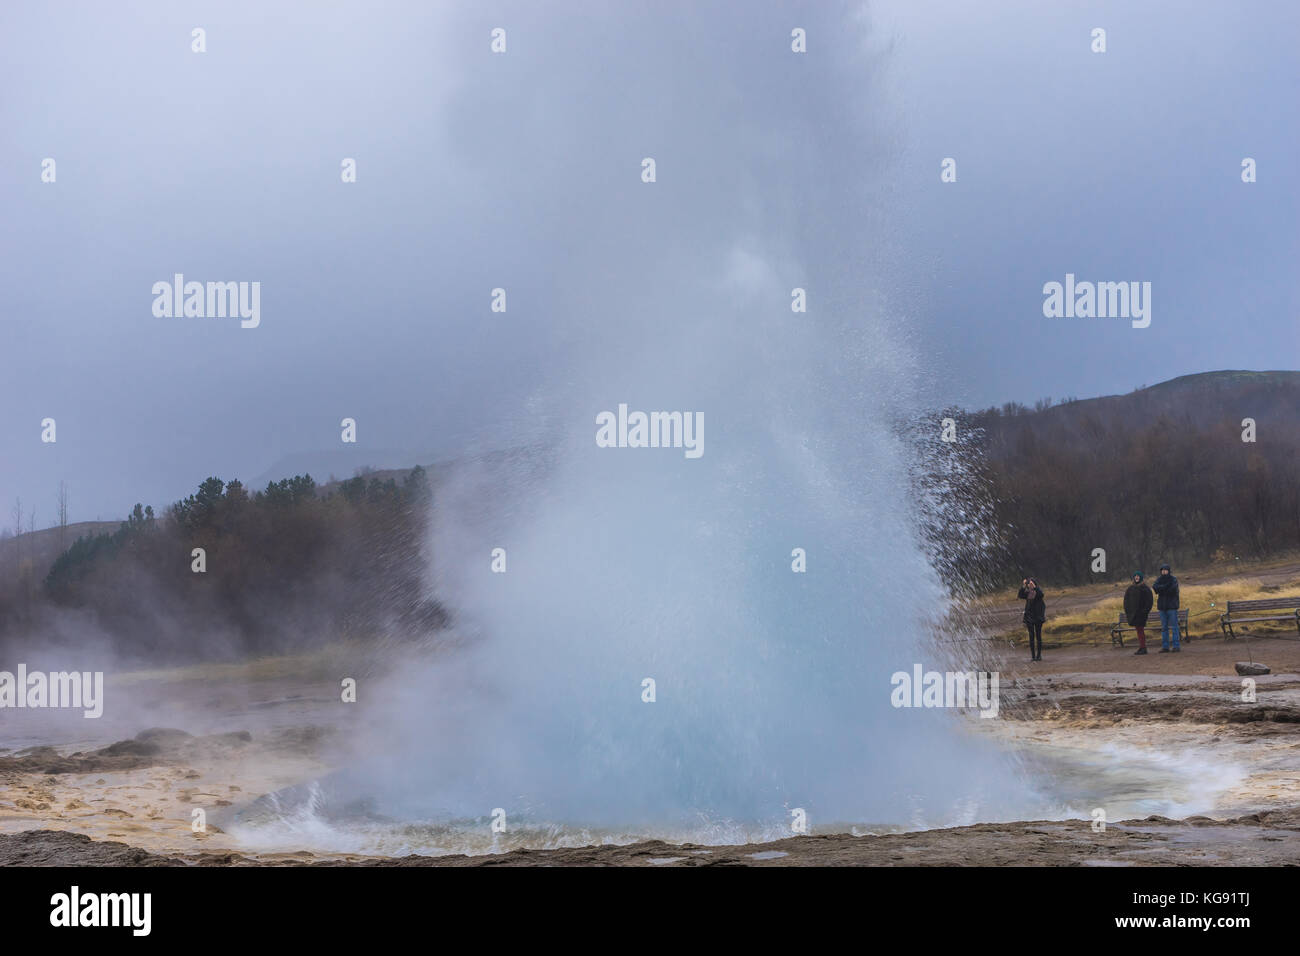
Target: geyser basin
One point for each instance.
(625, 565)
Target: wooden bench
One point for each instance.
(1152, 627)
(1290, 606)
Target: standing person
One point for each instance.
(1137, 607)
(1035, 615)
(1166, 588)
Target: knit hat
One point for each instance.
(1139, 575)
(1165, 567)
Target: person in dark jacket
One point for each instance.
(1034, 616)
(1137, 607)
(1166, 588)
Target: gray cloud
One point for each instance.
(477, 171)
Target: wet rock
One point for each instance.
(60, 848)
(232, 738)
(43, 751)
(130, 748)
(162, 735)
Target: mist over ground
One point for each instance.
(522, 171)
(693, 640)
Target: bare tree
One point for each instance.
(17, 514)
(63, 513)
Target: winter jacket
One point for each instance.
(1137, 604)
(1166, 588)
(1035, 609)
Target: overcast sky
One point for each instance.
(522, 170)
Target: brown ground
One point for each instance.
(1206, 656)
(1265, 839)
(130, 803)
(1000, 614)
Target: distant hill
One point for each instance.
(43, 546)
(1161, 473)
(341, 462)
(288, 565)
(438, 471)
(1258, 394)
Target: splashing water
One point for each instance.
(628, 565)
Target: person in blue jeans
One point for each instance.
(1166, 588)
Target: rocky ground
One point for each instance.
(131, 802)
(1271, 838)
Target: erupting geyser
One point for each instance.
(747, 296)
(625, 565)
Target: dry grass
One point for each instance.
(1204, 605)
(328, 662)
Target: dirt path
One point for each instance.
(996, 616)
(1109, 729)
(1205, 657)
